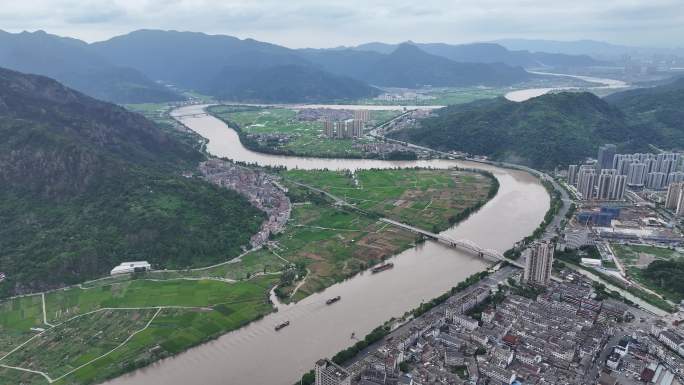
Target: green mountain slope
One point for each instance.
(85, 185)
(542, 132)
(73, 63)
(658, 108)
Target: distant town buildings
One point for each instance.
(539, 263)
(329, 373)
(607, 179)
(351, 128)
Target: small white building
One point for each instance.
(131, 267)
(591, 262)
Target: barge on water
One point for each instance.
(380, 268)
(282, 325)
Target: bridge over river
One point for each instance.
(466, 245)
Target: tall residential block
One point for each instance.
(656, 180)
(636, 174)
(329, 373)
(539, 263)
(617, 187)
(572, 174)
(329, 128)
(362, 115)
(604, 184)
(605, 156)
(672, 197)
(675, 177)
(586, 183)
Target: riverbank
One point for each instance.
(317, 330)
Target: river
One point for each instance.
(256, 354)
(522, 95)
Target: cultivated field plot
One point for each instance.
(640, 256)
(17, 317)
(429, 199)
(142, 293)
(91, 323)
(64, 348)
(335, 243)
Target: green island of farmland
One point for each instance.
(303, 138)
(330, 242)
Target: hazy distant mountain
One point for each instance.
(489, 53)
(410, 67)
(592, 48)
(86, 185)
(228, 67)
(346, 62)
(288, 83)
(191, 59)
(72, 61)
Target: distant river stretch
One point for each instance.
(257, 355)
(522, 95)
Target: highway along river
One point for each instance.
(257, 355)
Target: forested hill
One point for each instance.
(542, 132)
(85, 185)
(73, 63)
(658, 108)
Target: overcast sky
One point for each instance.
(327, 23)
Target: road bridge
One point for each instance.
(464, 245)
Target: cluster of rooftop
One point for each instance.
(261, 188)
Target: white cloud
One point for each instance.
(300, 23)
